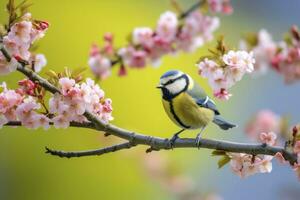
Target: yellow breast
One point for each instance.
(184, 112)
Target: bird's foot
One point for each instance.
(172, 140)
(198, 139)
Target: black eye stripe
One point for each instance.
(173, 80)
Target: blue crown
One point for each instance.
(169, 73)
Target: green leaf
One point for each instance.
(223, 161)
(218, 153)
(78, 72)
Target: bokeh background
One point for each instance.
(26, 172)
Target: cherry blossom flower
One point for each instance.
(265, 164)
(240, 59)
(42, 121)
(39, 61)
(60, 122)
(143, 36)
(264, 50)
(20, 32)
(264, 121)
(280, 158)
(100, 66)
(245, 165)
(27, 86)
(167, 26)
(18, 41)
(132, 57)
(66, 85)
(7, 67)
(222, 94)
(268, 138)
(8, 100)
(220, 6)
(26, 109)
(226, 71)
(147, 45)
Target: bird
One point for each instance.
(187, 104)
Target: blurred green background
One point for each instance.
(26, 172)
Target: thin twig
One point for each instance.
(95, 152)
(191, 9)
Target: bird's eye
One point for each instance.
(169, 82)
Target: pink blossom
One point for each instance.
(268, 138)
(167, 26)
(27, 86)
(8, 100)
(132, 57)
(207, 67)
(245, 165)
(56, 104)
(263, 52)
(100, 65)
(20, 32)
(143, 36)
(39, 61)
(223, 76)
(280, 158)
(264, 121)
(222, 94)
(15, 49)
(265, 165)
(21, 36)
(7, 67)
(42, 121)
(240, 59)
(220, 6)
(66, 84)
(24, 110)
(60, 122)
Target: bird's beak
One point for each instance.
(159, 86)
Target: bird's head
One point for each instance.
(173, 82)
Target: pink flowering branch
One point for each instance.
(154, 143)
(185, 31)
(280, 56)
(77, 103)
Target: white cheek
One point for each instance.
(176, 87)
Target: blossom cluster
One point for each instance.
(266, 127)
(245, 165)
(148, 45)
(26, 105)
(18, 41)
(283, 56)
(224, 68)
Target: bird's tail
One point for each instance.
(222, 123)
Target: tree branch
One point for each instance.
(156, 143)
(72, 124)
(191, 9)
(95, 152)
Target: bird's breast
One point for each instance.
(184, 112)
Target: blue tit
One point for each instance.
(187, 105)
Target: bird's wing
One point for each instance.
(202, 99)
